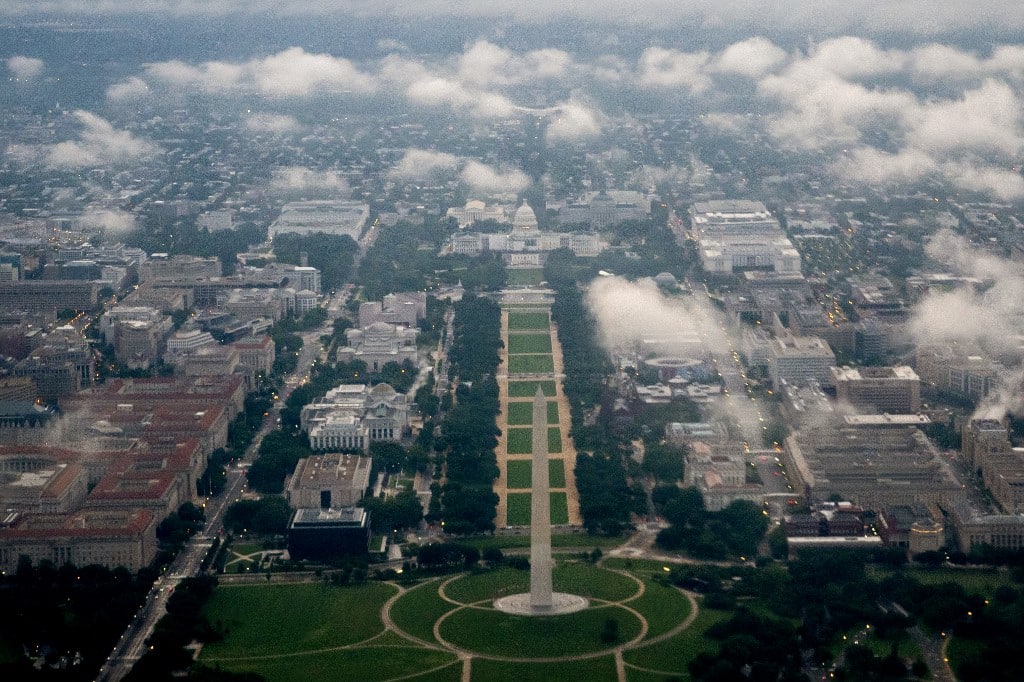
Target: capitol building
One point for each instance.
(525, 244)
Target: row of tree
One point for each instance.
(469, 432)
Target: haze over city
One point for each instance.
(292, 294)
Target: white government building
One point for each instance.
(351, 416)
(739, 234)
(526, 244)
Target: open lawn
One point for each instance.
(529, 343)
(519, 509)
(527, 389)
(530, 364)
(279, 619)
(520, 473)
(520, 441)
(519, 320)
(572, 576)
(673, 655)
(579, 540)
(502, 671)
(521, 414)
(417, 610)
(492, 632)
(663, 606)
(370, 664)
(526, 277)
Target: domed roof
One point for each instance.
(525, 219)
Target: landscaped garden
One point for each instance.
(520, 473)
(521, 320)
(530, 364)
(521, 414)
(519, 509)
(520, 441)
(302, 631)
(529, 343)
(527, 389)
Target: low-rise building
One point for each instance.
(379, 344)
(320, 534)
(329, 481)
(108, 538)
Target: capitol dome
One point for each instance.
(525, 220)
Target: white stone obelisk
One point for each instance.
(540, 509)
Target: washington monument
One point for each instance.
(540, 509)
(541, 600)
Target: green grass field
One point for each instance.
(302, 631)
(491, 632)
(520, 473)
(519, 509)
(673, 655)
(581, 541)
(527, 389)
(520, 441)
(582, 579)
(663, 606)
(525, 277)
(370, 664)
(521, 414)
(280, 619)
(520, 320)
(417, 610)
(530, 364)
(529, 343)
(503, 671)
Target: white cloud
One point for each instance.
(290, 73)
(272, 123)
(25, 68)
(873, 167)
(663, 68)
(299, 180)
(98, 144)
(129, 90)
(753, 57)
(420, 165)
(110, 220)
(489, 180)
(297, 72)
(985, 120)
(572, 122)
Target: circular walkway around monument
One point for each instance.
(561, 603)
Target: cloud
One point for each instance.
(293, 72)
(572, 122)
(435, 91)
(298, 180)
(110, 220)
(664, 68)
(129, 90)
(984, 120)
(874, 167)
(272, 123)
(487, 180)
(822, 17)
(297, 72)
(25, 68)
(852, 57)
(98, 144)
(753, 57)
(421, 165)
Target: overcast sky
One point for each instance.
(824, 17)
